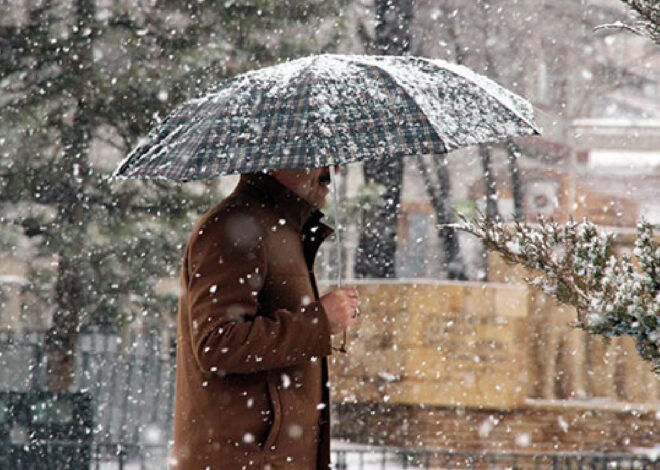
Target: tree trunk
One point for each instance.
(60, 340)
(491, 184)
(376, 251)
(393, 19)
(516, 188)
(440, 195)
(491, 194)
(61, 337)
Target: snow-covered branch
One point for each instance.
(576, 263)
(648, 12)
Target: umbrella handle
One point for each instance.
(333, 179)
(342, 347)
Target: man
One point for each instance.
(253, 335)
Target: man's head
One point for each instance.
(310, 184)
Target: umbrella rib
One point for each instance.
(474, 78)
(367, 63)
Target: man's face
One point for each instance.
(310, 184)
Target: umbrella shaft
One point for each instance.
(333, 179)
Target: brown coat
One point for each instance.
(251, 384)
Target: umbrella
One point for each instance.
(325, 110)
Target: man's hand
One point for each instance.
(340, 307)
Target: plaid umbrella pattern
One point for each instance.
(324, 110)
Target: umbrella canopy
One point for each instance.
(325, 110)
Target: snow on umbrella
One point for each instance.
(325, 110)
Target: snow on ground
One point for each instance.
(357, 457)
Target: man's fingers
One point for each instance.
(352, 298)
(352, 314)
(352, 291)
(349, 309)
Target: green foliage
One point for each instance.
(648, 12)
(647, 16)
(74, 73)
(467, 207)
(577, 265)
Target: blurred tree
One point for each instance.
(515, 43)
(81, 81)
(438, 188)
(376, 253)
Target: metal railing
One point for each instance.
(132, 386)
(115, 456)
(399, 459)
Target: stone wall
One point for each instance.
(470, 366)
(534, 427)
(437, 343)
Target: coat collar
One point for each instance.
(296, 210)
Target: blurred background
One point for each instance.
(456, 362)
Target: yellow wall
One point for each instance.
(438, 343)
(480, 344)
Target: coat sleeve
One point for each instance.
(226, 271)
